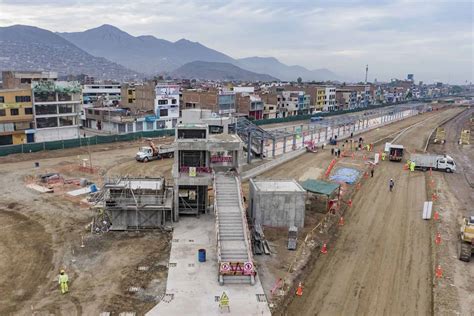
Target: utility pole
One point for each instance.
(366, 101)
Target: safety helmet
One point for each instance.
(62, 271)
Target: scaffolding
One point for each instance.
(136, 203)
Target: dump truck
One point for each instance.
(395, 152)
(466, 239)
(435, 162)
(152, 152)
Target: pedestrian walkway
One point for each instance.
(192, 287)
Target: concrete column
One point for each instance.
(284, 144)
(326, 133)
(262, 148)
(249, 147)
(273, 148)
(294, 141)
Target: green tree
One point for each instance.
(299, 80)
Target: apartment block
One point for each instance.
(216, 100)
(16, 117)
(56, 106)
(24, 79)
(127, 95)
(250, 105)
(167, 104)
(330, 99)
(292, 103)
(101, 94)
(145, 96)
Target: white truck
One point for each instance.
(436, 162)
(147, 153)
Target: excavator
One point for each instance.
(466, 239)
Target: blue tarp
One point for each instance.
(347, 175)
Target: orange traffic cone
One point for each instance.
(434, 197)
(341, 221)
(438, 239)
(299, 290)
(324, 249)
(439, 271)
(436, 215)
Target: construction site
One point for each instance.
(362, 213)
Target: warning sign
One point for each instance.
(224, 300)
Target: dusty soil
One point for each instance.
(41, 233)
(453, 293)
(381, 260)
(313, 166)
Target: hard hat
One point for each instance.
(62, 271)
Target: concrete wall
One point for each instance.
(51, 134)
(277, 209)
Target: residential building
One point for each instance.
(346, 99)
(167, 103)
(16, 117)
(120, 121)
(24, 79)
(145, 96)
(216, 100)
(127, 95)
(250, 105)
(101, 94)
(292, 103)
(56, 106)
(330, 99)
(270, 106)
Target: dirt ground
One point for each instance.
(453, 293)
(313, 166)
(41, 233)
(381, 260)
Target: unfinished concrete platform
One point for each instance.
(192, 286)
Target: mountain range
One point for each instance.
(107, 52)
(31, 48)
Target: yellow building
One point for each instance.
(320, 97)
(16, 116)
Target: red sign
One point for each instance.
(221, 158)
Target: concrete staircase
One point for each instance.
(232, 230)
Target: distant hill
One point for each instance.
(31, 48)
(151, 55)
(107, 52)
(146, 54)
(272, 66)
(218, 71)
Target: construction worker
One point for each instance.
(372, 172)
(412, 166)
(391, 184)
(63, 280)
(368, 147)
(383, 156)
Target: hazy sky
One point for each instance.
(432, 39)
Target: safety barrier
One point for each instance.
(80, 142)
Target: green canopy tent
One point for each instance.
(329, 192)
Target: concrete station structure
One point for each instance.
(277, 203)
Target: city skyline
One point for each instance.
(431, 39)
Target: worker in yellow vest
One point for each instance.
(412, 166)
(383, 155)
(63, 280)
